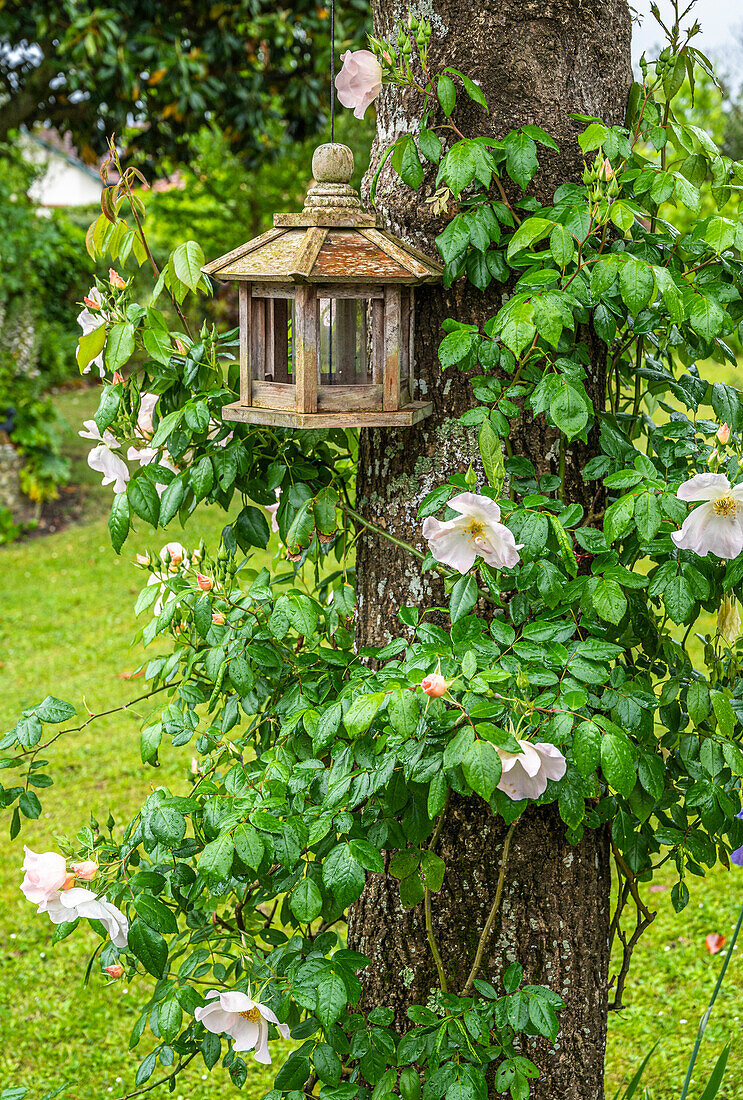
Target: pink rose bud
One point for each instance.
(434, 685)
(92, 304)
(115, 279)
(87, 869)
(205, 583)
(46, 873)
(218, 618)
(360, 80)
(143, 559)
(118, 378)
(606, 172)
(723, 434)
(114, 971)
(180, 345)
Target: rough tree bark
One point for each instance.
(537, 61)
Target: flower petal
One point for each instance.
(472, 504)
(704, 487)
(703, 531)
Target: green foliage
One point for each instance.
(153, 76)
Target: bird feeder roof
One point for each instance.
(333, 239)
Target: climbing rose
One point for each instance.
(147, 404)
(728, 619)
(478, 530)
(525, 773)
(273, 509)
(360, 80)
(244, 1020)
(46, 873)
(85, 870)
(173, 553)
(81, 902)
(114, 971)
(88, 320)
(717, 525)
(434, 685)
(114, 469)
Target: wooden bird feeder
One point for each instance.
(326, 313)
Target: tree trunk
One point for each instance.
(537, 61)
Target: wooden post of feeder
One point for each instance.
(246, 372)
(392, 348)
(306, 345)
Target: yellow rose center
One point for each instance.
(252, 1014)
(726, 506)
(475, 529)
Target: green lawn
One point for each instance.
(66, 629)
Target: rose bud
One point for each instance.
(218, 618)
(117, 378)
(606, 172)
(114, 971)
(143, 559)
(87, 869)
(205, 583)
(91, 303)
(115, 279)
(434, 685)
(723, 434)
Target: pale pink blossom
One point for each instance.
(716, 526)
(147, 403)
(434, 685)
(93, 432)
(525, 773)
(46, 873)
(115, 471)
(173, 553)
(273, 509)
(477, 530)
(68, 905)
(360, 80)
(89, 319)
(244, 1020)
(86, 870)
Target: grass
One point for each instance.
(65, 630)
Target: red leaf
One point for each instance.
(715, 942)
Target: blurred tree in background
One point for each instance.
(156, 73)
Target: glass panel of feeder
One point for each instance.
(271, 334)
(343, 357)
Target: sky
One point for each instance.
(720, 20)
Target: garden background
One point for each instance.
(62, 582)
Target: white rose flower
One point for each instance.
(114, 469)
(89, 320)
(68, 905)
(478, 530)
(717, 525)
(525, 773)
(246, 1021)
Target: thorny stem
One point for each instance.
(492, 914)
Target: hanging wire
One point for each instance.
(332, 71)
